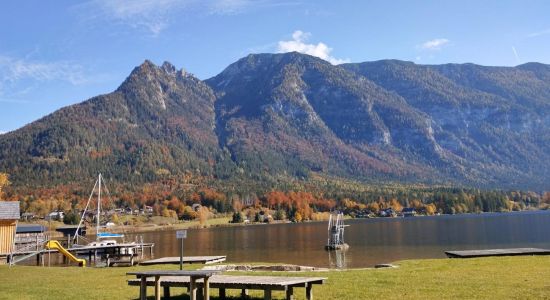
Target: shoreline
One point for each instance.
(224, 222)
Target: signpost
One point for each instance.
(181, 234)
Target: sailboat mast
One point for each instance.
(98, 207)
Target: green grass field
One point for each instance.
(526, 277)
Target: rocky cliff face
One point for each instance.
(493, 121)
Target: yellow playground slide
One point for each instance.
(53, 244)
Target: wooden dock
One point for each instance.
(186, 260)
(497, 252)
(115, 247)
(117, 253)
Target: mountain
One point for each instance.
(158, 122)
(278, 117)
(493, 121)
(300, 112)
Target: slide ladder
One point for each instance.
(53, 244)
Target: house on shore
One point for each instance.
(9, 215)
(408, 212)
(388, 212)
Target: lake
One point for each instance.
(371, 241)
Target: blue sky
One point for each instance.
(57, 53)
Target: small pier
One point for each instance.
(186, 260)
(497, 252)
(128, 253)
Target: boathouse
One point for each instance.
(9, 215)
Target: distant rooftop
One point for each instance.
(9, 210)
(30, 228)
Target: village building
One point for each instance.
(9, 215)
(408, 212)
(196, 207)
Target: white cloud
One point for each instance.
(12, 70)
(150, 15)
(20, 76)
(154, 16)
(2, 132)
(299, 44)
(539, 33)
(435, 44)
(516, 55)
(228, 7)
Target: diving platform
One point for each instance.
(497, 252)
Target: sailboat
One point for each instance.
(102, 238)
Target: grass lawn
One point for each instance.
(520, 277)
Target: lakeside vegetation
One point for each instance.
(177, 202)
(480, 278)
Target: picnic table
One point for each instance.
(193, 275)
(243, 282)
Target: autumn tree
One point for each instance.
(279, 215)
(276, 199)
(4, 181)
(373, 207)
(203, 215)
(395, 205)
(430, 209)
(115, 219)
(298, 217)
(188, 213)
(237, 205)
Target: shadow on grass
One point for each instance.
(186, 297)
(183, 294)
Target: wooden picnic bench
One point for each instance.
(243, 283)
(191, 276)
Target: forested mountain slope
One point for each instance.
(280, 117)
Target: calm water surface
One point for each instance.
(371, 241)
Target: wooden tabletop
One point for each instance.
(196, 273)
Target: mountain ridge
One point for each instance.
(270, 117)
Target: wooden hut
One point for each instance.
(9, 215)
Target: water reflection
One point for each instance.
(337, 259)
(371, 241)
